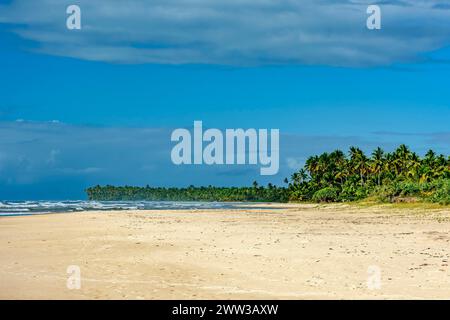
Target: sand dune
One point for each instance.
(297, 252)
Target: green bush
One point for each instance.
(328, 194)
(442, 193)
(408, 188)
(436, 191)
(361, 193)
(385, 193)
(352, 191)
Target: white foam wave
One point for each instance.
(40, 207)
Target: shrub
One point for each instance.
(408, 188)
(385, 193)
(328, 194)
(442, 193)
(361, 193)
(352, 191)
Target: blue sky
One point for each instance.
(98, 105)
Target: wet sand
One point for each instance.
(298, 252)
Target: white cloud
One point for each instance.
(51, 160)
(35, 151)
(79, 171)
(294, 163)
(236, 32)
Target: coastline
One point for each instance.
(302, 251)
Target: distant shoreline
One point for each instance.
(31, 208)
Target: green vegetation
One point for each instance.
(256, 193)
(400, 176)
(389, 177)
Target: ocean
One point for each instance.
(23, 208)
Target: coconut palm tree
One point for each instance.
(358, 162)
(377, 163)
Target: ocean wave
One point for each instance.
(43, 207)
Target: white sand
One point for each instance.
(299, 252)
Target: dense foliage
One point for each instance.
(256, 193)
(398, 176)
(330, 177)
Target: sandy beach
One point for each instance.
(294, 252)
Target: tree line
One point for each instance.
(401, 175)
(256, 193)
(387, 176)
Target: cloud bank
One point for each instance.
(53, 160)
(234, 32)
